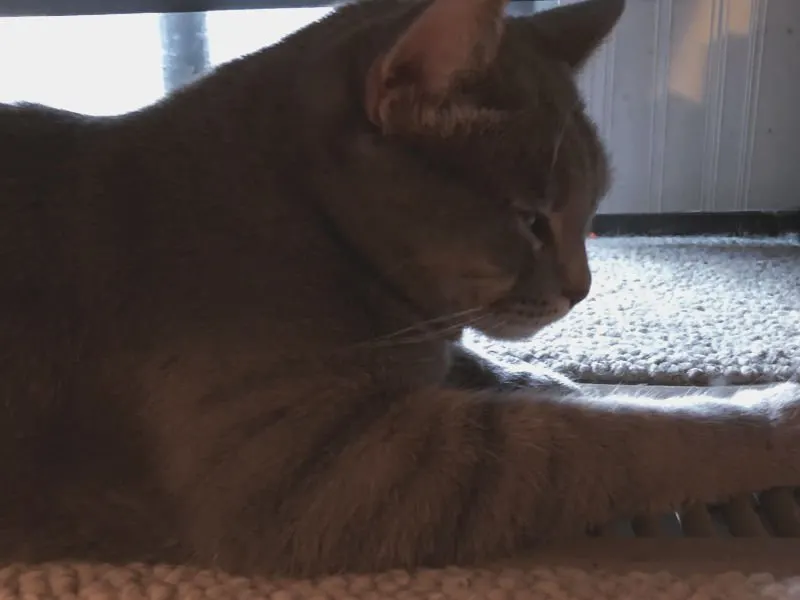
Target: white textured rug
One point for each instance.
(678, 311)
(692, 569)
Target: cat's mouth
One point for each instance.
(521, 318)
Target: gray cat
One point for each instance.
(230, 321)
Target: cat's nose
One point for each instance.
(575, 295)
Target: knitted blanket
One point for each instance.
(619, 569)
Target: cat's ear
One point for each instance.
(573, 32)
(449, 40)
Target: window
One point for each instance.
(93, 64)
(70, 54)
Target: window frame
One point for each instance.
(63, 8)
(67, 8)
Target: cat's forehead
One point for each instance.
(550, 146)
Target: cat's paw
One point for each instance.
(773, 424)
(531, 375)
(784, 402)
(779, 402)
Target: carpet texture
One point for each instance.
(693, 570)
(677, 311)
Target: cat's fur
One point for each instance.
(228, 321)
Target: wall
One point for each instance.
(699, 101)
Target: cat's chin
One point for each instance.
(515, 330)
(518, 321)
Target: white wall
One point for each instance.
(699, 101)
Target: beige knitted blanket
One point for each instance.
(699, 569)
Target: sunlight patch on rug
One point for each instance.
(677, 311)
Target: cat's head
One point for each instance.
(452, 148)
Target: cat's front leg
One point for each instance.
(450, 476)
(473, 369)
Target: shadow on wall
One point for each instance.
(697, 99)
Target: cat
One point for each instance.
(230, 320)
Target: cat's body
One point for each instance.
(228, 321)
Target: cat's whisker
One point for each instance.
(401, 336)
(443, 331)
(422, 336)
(430, 322)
